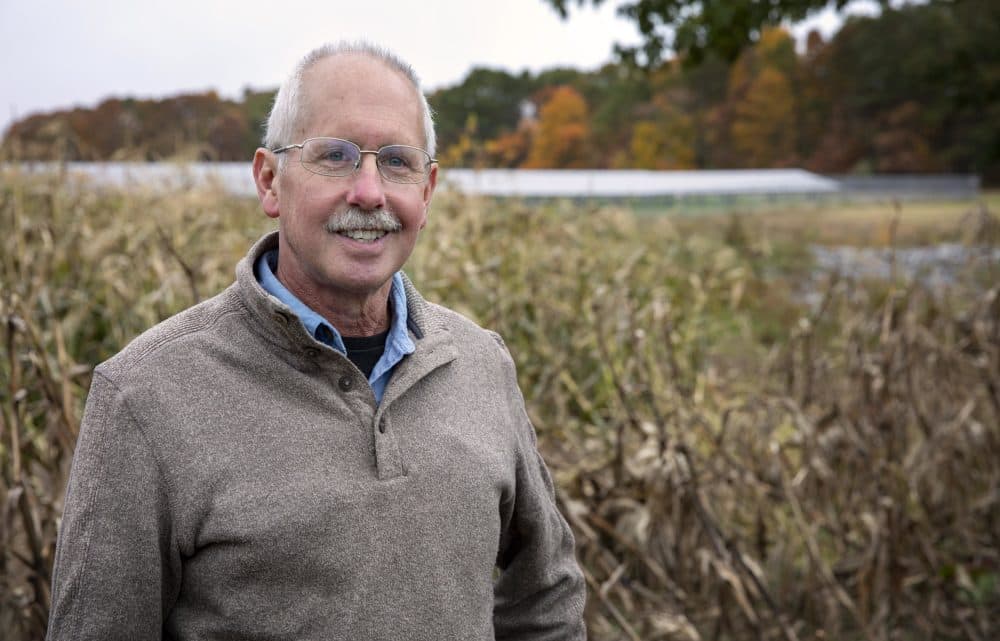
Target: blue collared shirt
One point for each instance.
(397, 344)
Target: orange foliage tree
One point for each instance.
(563, 132)
(511, 149)
(763, 128)
(764, 104)
(665, 140)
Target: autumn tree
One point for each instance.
(763, 130)
(665, 135)
(563, 132)
(654, 146)
(467, 151)
(762, 103)
(511, 149)
(492, 97)
(618, 96)
(901, 145)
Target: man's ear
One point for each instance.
(265, 177)
(429, 192)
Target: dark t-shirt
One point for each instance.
(364, 351)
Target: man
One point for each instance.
(317, 452)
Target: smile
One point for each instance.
(363, 235)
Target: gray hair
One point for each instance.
(287, 110)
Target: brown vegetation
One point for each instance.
(735, 463)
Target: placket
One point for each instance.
(431, 353)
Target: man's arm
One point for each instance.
(114, 575)
(540, 593)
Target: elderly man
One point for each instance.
(318, 452)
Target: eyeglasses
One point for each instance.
(336, 157)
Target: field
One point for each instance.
(745, 448)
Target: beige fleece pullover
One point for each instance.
(235, 479)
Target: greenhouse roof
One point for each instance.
(632, 183)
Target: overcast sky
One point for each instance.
(55, 54)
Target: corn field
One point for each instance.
(736, 462)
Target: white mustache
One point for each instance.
(356, 218)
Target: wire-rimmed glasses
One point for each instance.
(337, 157)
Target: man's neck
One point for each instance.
(367, 319)
(351, 313)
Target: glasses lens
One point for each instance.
(330, 156)
(403, 164)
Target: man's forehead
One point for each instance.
(351, 72)
(357, 84)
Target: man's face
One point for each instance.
(355, 98)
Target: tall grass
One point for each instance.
(734, 462)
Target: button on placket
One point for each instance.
(346, 383)
(389, 459)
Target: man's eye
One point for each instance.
(396, 162)
(336, 155)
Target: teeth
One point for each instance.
(364, 235)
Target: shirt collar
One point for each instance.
(397, 343)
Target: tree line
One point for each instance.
(915, 89)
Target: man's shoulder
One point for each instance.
(175, 337)
(472, 337)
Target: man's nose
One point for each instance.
(367, 190)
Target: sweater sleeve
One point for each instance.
(115, 576)
(539, 594)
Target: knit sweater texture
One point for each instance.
(236, 479)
